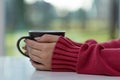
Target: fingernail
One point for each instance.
(23, 47)
(37, 38)
(25, 40)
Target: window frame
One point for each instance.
(2, 27)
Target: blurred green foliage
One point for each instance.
(99, 33)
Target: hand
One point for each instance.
(41, 51)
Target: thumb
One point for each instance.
(47, 38)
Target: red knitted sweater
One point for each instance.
(87, 58)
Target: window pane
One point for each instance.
(81, 19)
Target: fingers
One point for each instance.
(40, 46)
(34, 52)
(41, 57)
(25, 48)
(35, 58)
(34, 44)
(47, 38)
(39, 66)
(40, 53)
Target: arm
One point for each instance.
(73, 42)
(89, 58)
(58, 54)
(111, 44)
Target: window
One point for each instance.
(2, 26)
(81, 19)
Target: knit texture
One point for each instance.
(87, 58)
(65, 55)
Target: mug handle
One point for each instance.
(18, 44)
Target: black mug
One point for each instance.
(37, 33)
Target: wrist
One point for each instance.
(65, 55)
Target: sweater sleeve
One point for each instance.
(65, 55)
(111, 44)
(89, 58)
(73, 42)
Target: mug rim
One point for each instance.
(50, 31)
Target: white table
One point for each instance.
(13, 68)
